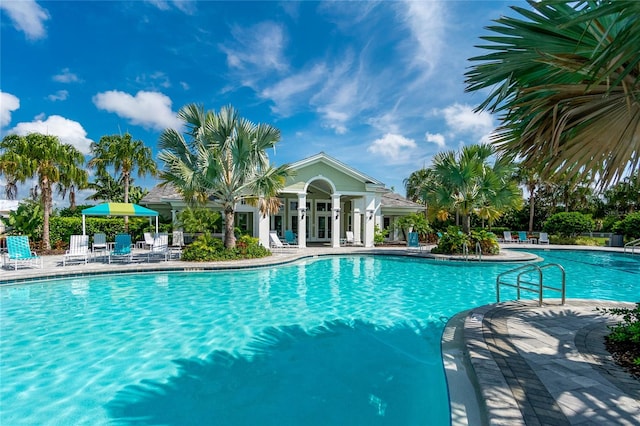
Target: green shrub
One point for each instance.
(379, 235)
(628, 330)
(199, 219)
(415, 221)
(27, 220)
(207, 248)
(575, 241)
(488, 242)
(452, 242)
(629, 226)
(569, 224)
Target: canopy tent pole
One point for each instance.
(156, 225)
(84, 226)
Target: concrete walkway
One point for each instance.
(508, 364)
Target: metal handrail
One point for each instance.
(465, 251)
(633, 244)
(479, 250)
(532, 286)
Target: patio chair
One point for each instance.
(413, 242)
(177, 242)
(19, 252)
(276, 244)
(507, 238)
(522, 237)
(99, 242)
(350, 239)
(122, 248)
(148, 241)
(78, 249)
(544, 238)
(290, 237)
(160, 247)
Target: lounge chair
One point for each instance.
(276, 244)
(99, 242)
(122, 248)
(148, 241)
(78, 249)
(544, 238)
(413, 242)
(290, 237)
(507, 238)
(350, 239)
(160, 247)
(19, 252)
(522, 237)
(177, 242)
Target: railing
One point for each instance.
(633, 244)
(478, 251)
(465, 251)
(522, 284)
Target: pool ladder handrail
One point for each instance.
(530, 285)
(465, 251)
(633, 244)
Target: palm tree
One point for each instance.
(224, 159)
(126, 156)
(469, 183)
(72, 181)
(565, 78)
(46, 159)
(530, 178)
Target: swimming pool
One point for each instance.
(332, 340)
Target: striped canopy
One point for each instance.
(118, 209)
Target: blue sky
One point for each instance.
(377, 85)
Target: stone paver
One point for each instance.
(553, 364)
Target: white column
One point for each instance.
(336, 216)
(370, 220)
(358, 208)
(263, 227)
(302, 220)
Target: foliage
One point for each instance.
(575, 241)
(199, 219)
(416, 221)
(26, 219)
(569, 224)
(628, 330)
(77, 212)
(488, 242)
(379, 235)
(452, 242)
(629, 226)
(624, 197)
(207, 248)
(47, 160)
(565, 78)
(225, 158)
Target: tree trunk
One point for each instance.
(126, 200)
(531, 211)
(46, 204)
(229, 236)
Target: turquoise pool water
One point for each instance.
(334, 340)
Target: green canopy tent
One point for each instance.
(117, 209)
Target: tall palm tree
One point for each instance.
(126, 156)
(46, 159)
(530, 178)
(565, 79)
(223, 158)
(71, 182)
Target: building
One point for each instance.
(323, 200)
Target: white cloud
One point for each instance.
(60, 95)
(27, 16)
(257, 49)
(287, 92)
(393, 147)
(461, 119)
(186, 6)
(66, 76)
(436, 138)
(153, 80)
(151, 110)
(68, 131)
(426, 21)
(8, 103)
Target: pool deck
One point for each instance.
(527, 365)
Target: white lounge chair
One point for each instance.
(177, 242)
(544, 238)
(507, 238)
(78, 249)
(350, 239)
(160, 247)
